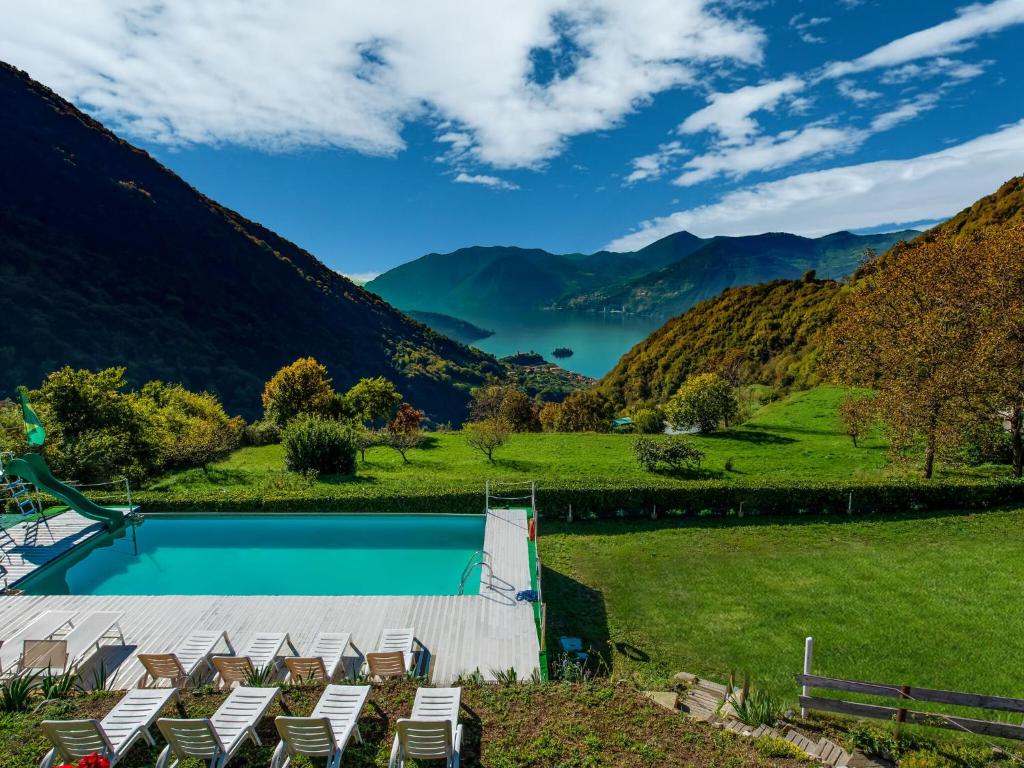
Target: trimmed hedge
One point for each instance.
(591, 500)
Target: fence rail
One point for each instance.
(906, 693)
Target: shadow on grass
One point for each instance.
(576, 610)
(749, 435)
(684, 473)
(519, 465)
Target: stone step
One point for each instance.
(666, 699)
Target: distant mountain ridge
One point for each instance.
(666, 277)
(771, 333)
(108, 258)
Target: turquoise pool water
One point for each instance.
(272, 555)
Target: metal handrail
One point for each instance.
(477, 560)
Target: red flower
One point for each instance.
(94, 761)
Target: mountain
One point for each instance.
(770, 333)
(108, 258)
(478, 280)
(727, 261)
(461, 330)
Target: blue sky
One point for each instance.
(373, 133)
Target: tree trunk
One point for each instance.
(1016, 436)
(929, 456)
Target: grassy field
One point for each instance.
(924, 600)
(799, 438)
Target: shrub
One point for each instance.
(675, 451)
(302, 387)
(488, 435)
(262, 432)
(925, 758)
(648, 421)
(194, 429)
(774, 747)
(315, 443)
(756, 708)
(703, 401)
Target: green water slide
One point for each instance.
(32, 468)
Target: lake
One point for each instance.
(597, 340)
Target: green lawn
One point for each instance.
(795, 439)
(927, 600)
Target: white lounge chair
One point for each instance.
(57, 656)
(433, 732)
(218, 738)
(262, 650)
(385, 661)
(43, 626)
(327, 731)
(111, 737)
(185, 660)
(324, 661)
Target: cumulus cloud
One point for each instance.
(485, 181)
(889, 192)
(279, 75)
(950, 36)
(855, 93)
(730, 115)
(943, 66)
(652, 166)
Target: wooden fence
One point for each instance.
(906, 693)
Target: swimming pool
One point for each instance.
(315, 554)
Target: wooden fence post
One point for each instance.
(808, 654)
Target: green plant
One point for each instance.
(261, 432)
(488, 435)
(874, 741)
(505, 676)
(326, 445)
(260, 677)
(58, 686)
(648, 421)
(925, 758)
(759, 707)
(100, 677)
(302, 387)
(675, 451)
(703, 401)
(16, 692)
(774, 747)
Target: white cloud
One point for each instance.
(279, 75)
(729, 114)
(950, 36)
(906, 110)
(652, 166)
(928, 187)
(940, 66)
(803, 24)
(486, 181)
(855, 93)
(766, 153)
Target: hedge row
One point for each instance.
(610, 500)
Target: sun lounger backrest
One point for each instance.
(306, 735)
(191, 738)
(264, 648)
(330, 645)
(163, 666)
(45, 654)
(306, 669)
(233, 669)
(425, 739)
(74, 739)
(392, 664)
(93, 628)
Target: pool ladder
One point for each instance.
(477, 560)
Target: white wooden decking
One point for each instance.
(488, 631)
(36, 545)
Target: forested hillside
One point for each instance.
(108, 258)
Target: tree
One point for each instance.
(703, 401)
(302, 387)
(504, 401)
(587, 410)
(194, 429)
(403, 432)
(488, 435)
(372, 400)
(550, 415)
(315, 443)
(911, 328)
(648, 421)
(365, 439)
(857, 412)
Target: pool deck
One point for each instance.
(488, 631)
(36, 545)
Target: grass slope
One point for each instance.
(923, 600)
(796, 439)
(554, 726)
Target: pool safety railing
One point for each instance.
(524, 492)
(23, 496)
(477, 560)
